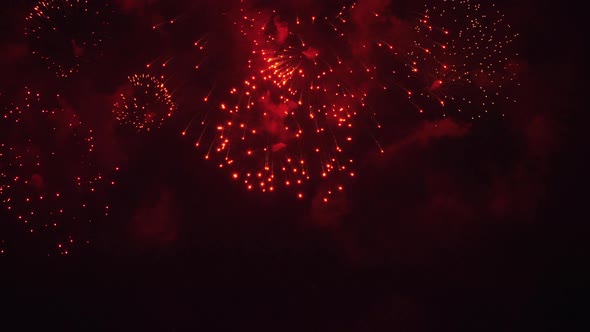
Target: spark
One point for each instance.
(49, 180)
(65, 34)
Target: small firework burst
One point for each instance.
(145, 103)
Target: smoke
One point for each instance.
(155, 224)
(135, 5)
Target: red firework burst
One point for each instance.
(292, 118)
(144, 103)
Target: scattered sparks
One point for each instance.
(66, 33)
(48, 180)
(461, 60)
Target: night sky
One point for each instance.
(453, 221)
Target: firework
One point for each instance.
(145, 103)
(460, 59)
(291, 120)
(67, 33)
(48, 180)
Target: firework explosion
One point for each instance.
(48, 181)
(67, 33)
(145, 103)
(458, 61)
(292, 118)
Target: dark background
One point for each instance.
(478, 231)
